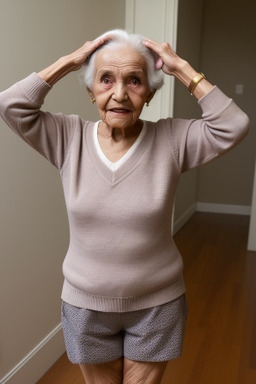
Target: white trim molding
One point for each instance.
(178, 224)
(210, 208)
(223, 208)
(130, 15)
(170, 35)
(159, 21)
(33, 366)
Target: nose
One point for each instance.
(120, 92)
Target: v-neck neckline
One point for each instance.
(128, 162)
(113, 166)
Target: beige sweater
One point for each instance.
(122, 256)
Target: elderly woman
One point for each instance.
(124, 306)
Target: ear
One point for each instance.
(90, 92)
(150, 96)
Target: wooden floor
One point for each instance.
(220, 342)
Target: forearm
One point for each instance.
(185, 73)
(69, 63)
(57, 70)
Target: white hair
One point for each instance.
(120, 37)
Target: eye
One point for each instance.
(105, 80)
(135, 81)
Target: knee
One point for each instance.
(111, 373)
(143, 373)
(136, 376)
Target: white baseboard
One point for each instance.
(223, 208)
(178, 224)
(211, 208)
(33, 366)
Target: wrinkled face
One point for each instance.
(120, 86)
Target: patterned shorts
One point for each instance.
(152, 335)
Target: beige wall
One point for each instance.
(228, 57)
(34, 230)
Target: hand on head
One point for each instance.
(80, 55)
(167, 60)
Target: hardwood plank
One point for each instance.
(220, 277)
(63, 372)
(220, 342)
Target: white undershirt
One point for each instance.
(114, 166)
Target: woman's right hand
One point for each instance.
(77, 58)
(71, 62)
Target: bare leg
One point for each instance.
(136, 372)
(108, 373)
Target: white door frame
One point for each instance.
(157, 20)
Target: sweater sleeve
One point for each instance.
(222, 126)
(49, 134)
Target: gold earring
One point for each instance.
(147, 104)
(93, 100)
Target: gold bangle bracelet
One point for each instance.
(200, 76)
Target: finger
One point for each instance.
(152, 45)
(95, 44)
(155, 47)
(92, 46)
(101, 40)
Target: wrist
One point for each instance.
(185, 73)
(57, 70)
(195, 81)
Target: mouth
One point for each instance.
(119, 111)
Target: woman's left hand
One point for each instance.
(173, 65)
(167, 60)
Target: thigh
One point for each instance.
(91, 337)
(136, 372)
(109, 373)
(156, 334)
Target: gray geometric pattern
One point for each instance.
(153, 334)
